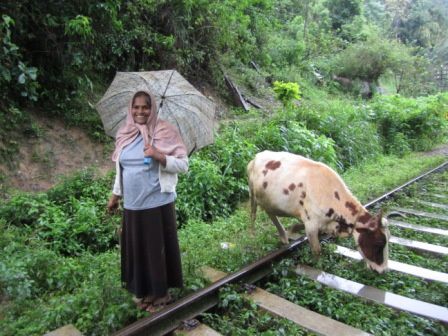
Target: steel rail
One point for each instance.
(168, 319)
(390, 193)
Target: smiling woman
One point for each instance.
(150, 256)
(141, 108)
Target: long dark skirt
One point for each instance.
(150, 255)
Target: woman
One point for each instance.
(150, 256)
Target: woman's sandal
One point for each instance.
(159, 304)
(143, 303)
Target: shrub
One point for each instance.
(407, 123)
(216, 180)
(24, 208)
(286, 92)
(85, 227)
(282, 133)
(355, 136)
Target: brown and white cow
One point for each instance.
(289, 185)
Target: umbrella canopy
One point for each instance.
(178, 102)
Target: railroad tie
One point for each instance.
(416, 227)
(303, 317)
(399, 267)
(422, 213)
(392, 300)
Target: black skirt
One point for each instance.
(150, 255)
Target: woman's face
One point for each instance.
(140, 110)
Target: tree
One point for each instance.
(343, 12)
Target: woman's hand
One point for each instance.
(114, 202)
(151, 152)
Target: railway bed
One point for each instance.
(428, 207)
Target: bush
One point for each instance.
(70, 218)
(354, 135)
(85, 292)
(24, 208)
(216, 181)
(282, 133)
(407, 123)
(286, 92)
(368, 60)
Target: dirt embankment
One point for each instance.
(58, 151)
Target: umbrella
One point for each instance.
(178, 101)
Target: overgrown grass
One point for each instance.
(38, 270)
(386, 172)
(373, 318)
(238, 316)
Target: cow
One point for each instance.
(289, 185)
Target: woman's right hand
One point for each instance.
(114, 202)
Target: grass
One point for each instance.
(87, 289)
(373, 318)
(373, 178)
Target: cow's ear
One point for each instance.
(372, 224)
(379, 218)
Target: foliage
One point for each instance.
(16, 78)
(286, 92)
(386, 172)
(239, 316)
(68, 219)
(416, 124)
(340, 305)
(85, 290)
(424, 23)
(368, 60)
(342, 11)
(356, 138)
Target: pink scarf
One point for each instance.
(165, 137)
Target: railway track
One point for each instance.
(418, 221)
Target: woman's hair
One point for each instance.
(142, 94)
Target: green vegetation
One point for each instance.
(59, 247)
(237, 316)
(83, 288)
(373, 318)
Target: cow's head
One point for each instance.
(372, 235)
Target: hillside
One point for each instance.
(59, 151)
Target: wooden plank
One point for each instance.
(68, 330)
(308, 319)
(376, 295)
(400, 267)
(434, 205)
(440, 196)
(236, 94)
(414, 244)
(416, 227)
(200, 330)
(422, 213)
(303, 317)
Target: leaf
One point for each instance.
(22, 79)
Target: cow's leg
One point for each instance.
(312, 232)
(280, 229)
(253, 210)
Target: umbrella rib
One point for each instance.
(169, 81)
(119, 121)
(116, 94)
(175, 103)
(148, 83)
(200, 95)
